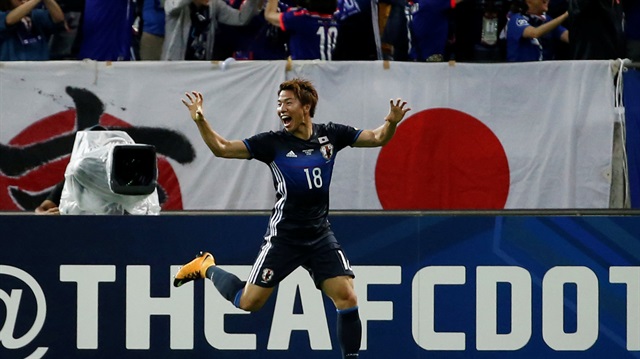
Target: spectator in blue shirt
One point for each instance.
(371, 30)
(190, 25)
(258, 40)
(25, 30)
(530, 31)
(430, 28)
(106, 31)
(312, 29)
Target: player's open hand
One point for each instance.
(397, 111)
(194, 105)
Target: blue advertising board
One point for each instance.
(429, 286)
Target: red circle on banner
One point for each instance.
(442, 159)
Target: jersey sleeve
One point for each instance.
(261, 146)
(344, 135)
(516, 25)
(558, 31)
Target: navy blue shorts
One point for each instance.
(276, 260)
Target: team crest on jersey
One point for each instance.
(327, 151)
(267, 275)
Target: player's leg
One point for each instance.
(332, 274)
(228, 284)
(274, 262)
(340, 290)
(349, 328)
(243, 295)
(253, 297)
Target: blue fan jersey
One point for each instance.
(520, 49)
(301, 171)
(312, 36)
(429, 27)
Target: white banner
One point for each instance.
(529, 135)
(535, 135)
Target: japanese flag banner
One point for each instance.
(478, 136)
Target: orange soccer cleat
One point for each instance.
(195, 269)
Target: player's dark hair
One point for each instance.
(519, 6)
(304, 91)
(319, 6)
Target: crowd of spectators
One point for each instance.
(398, 30)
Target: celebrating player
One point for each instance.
(301, 159)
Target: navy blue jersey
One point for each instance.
(430, 27)
(301, 173)
(312, 36)
(521, 49)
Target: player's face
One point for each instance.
(291, 111)
(538, 7)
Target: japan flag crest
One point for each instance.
(327, 151)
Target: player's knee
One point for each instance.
(251, 304)
(346, 299)
(253, 298)
(351, 300)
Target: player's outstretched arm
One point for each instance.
(383, 134)
(220, 146)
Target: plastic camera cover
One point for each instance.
(87, 178)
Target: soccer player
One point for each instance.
(301, 159)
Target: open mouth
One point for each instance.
(286, 120)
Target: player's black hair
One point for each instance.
(304, 91)
(519, 6)
(319, 6)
